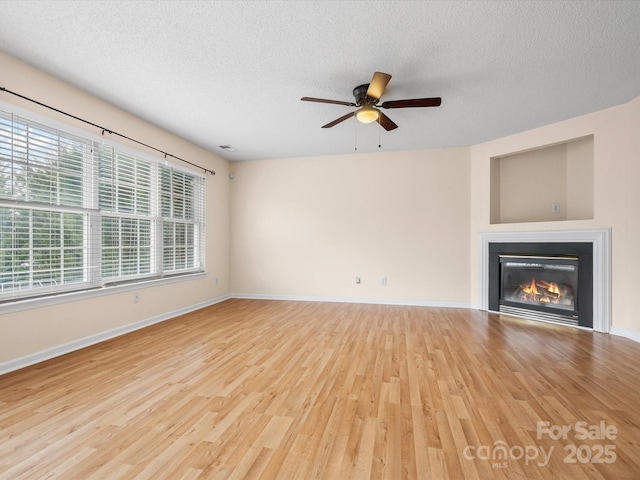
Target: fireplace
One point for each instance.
(543, 281)
(598, 273)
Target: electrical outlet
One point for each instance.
(216, 281)
(555, 208)
(136, 297)
(383, 281)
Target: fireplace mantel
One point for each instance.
(601, 240)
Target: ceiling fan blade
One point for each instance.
(386, 123)
(378, 84)
(338, 120)
(322, 100)
(414, 102)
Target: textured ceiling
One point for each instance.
(233, 72)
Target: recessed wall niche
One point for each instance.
(547, 184)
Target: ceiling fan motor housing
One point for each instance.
(360, 94)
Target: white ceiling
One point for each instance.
(233, 72)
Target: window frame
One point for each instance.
(93, 217)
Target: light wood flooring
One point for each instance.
(303, 390)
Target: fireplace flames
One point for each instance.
(539, 291)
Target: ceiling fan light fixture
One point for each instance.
(367, 114)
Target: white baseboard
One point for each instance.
(625, 332)
(375, 301)
(42, 355)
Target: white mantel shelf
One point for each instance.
(601, 240)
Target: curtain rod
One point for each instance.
(104, 129)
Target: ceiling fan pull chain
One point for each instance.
(355, 136)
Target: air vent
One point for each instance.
(228, 148)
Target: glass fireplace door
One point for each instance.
(539, 282)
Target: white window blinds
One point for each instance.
(78, 214)
(125, 199)
(181, 208)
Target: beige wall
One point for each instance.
(580, 179)
(616, 194)
(309, 226)
(531, 182)
(30, 331)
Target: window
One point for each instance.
(125, 193)
(180, 231)
(42, 249)
(78, 214)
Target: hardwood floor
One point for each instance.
(270, 389)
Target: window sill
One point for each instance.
(56, 299)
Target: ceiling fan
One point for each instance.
(367, 97)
